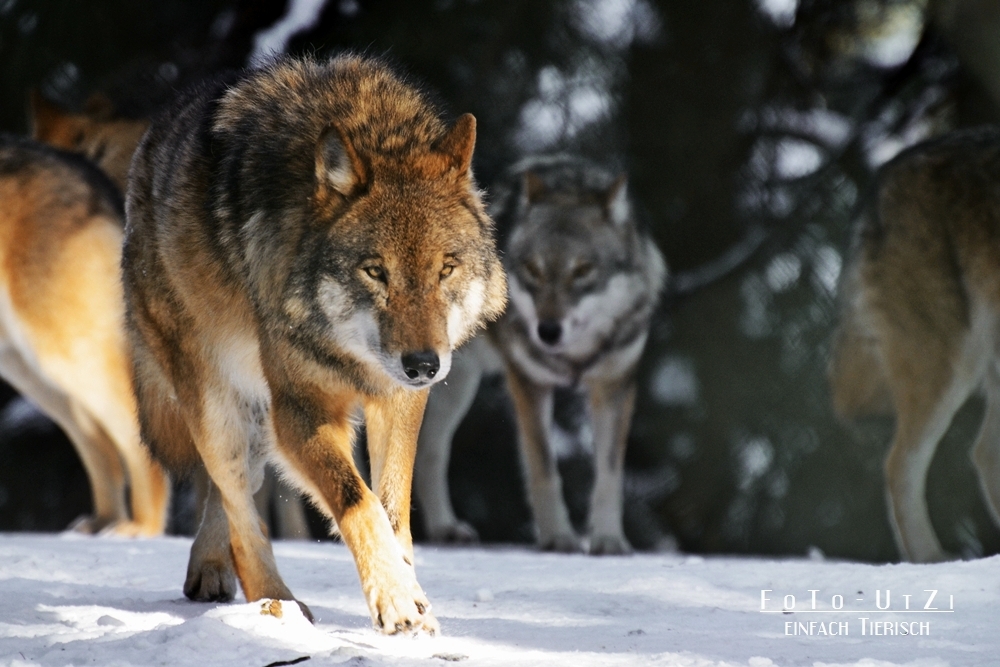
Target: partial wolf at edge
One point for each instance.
(61, 227)
(919, 327)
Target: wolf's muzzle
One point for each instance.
(549, 331)
(421, 365)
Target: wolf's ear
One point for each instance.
(458, 142)
(338, 166)
(616, 203)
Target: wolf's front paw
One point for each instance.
(400, 606)
(459, 532)
(210, 581)
(566, 543)
(609, 545)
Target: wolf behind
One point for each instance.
(584, 279)
(98, 133)
(62, 340)
(303, 241)
(919, 329)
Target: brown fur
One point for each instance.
(98, 133)
(920, 322)
(61, 314)
(299, 238)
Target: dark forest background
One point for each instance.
(750, 130)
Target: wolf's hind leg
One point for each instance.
(924, 410)
(100, 459)
(986, 451)
(534, 421)
(149, 492)
(611, 406)
(211, 576)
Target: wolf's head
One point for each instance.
(406, 267)
(97, 133)
(572, 257)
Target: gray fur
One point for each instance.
(578, 260)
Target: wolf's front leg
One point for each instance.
(315, 435)
(611, 405)
(393, 425)
(534, 420)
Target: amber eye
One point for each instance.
(447, 270)
(534, 272)
(376, 272)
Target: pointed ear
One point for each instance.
(616, 202)
(458, 142)
(533, 188)
(338, 166)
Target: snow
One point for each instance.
(302, 15)
(73, 600)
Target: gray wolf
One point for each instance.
(919, 329)
(584, 279)
(62, 340)
(303, 241)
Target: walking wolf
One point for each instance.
(303, 240)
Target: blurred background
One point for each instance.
(750, 130)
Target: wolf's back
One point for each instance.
(925, 257)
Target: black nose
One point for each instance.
(549, 331)
(421, 365)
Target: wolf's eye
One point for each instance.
(447, 270)
(534, 272)
(582, 271)
(376, 272)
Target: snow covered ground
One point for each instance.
(71, 600)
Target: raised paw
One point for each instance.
(459, 532)
(561, 543)
(609, 545)
(212, 581)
